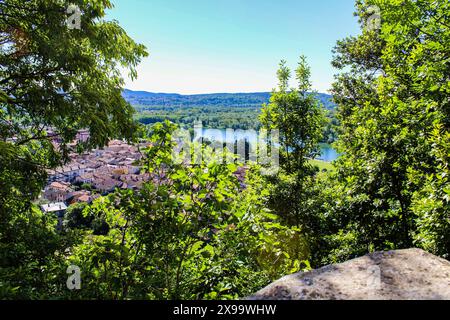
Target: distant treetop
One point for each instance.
(216, 99)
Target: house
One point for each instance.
(67, 173)
(58, 191)
(80, 197)
(106, 185)
(83, 136)
(116, 173)
(56, 208)
(86, 178)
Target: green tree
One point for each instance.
(298, 116)
(53, 81)
(75, 218)
(394, 111)
(192, 232)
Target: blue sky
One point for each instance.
(206, 46)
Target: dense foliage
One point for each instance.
(211, 117)
(207, 229)
(217, 111)
(195, 233)
(391, 187)
(238, 100)
(300, 119)
(66, 79)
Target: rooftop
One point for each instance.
(54, 207)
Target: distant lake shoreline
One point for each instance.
(328, 153)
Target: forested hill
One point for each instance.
(201, 100)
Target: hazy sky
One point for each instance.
(206, 46)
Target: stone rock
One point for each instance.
(411, 274)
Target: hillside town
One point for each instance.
(97, 173)
(92, 174)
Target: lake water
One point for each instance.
(327, 152)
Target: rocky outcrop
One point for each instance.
(393, 275)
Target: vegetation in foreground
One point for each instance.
(322, 165)
(198, 231)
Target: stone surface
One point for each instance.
(411, 274)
